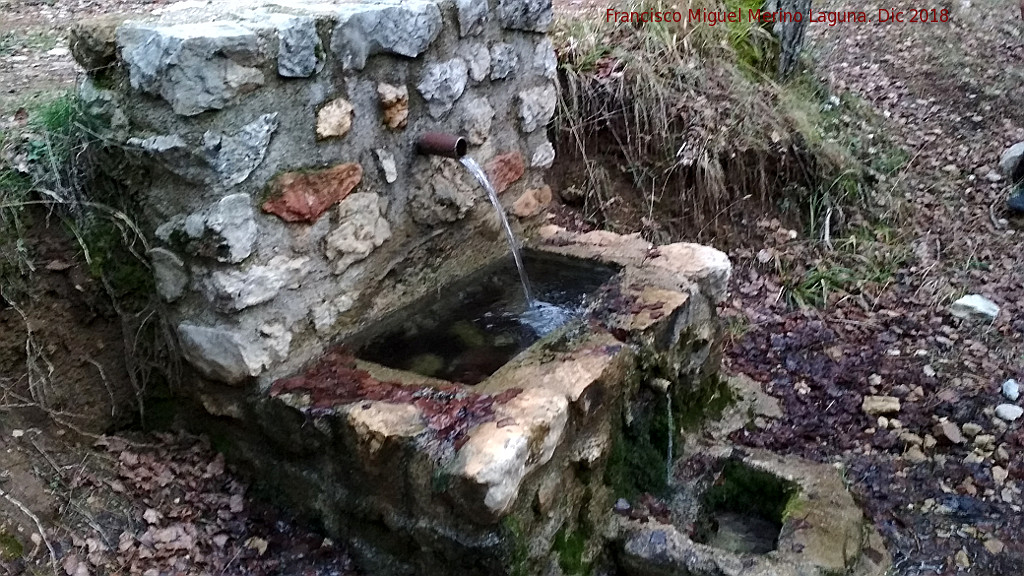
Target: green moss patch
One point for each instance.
(10, 547)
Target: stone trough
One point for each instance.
(269, 150)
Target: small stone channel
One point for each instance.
(358, 342)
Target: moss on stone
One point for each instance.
(637, 461)
(746, 490)
(10, 547)
(571, 546)
(517, 561)
(705, 401)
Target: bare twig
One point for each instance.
(39, 525)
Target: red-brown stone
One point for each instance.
(505, 169)
(305, 196)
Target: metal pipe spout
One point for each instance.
(440, 144)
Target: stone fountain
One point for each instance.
(270, 150)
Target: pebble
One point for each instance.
(999, 474)
(915, 456)
(1009, 412)
(622, 506)
(1011, 389)
(971, 429)
(929, 371)
(878, 405)
(994, 546)
(962, 560)
(17, 433)
(950, 431)
(986, 441)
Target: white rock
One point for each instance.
(537, 106)
(877, 405)
(235, 156)
(1009, 412)
(194, 67)
(504, 60)
(365, 29)
(545, 61)
(361, 229)
(543, 156)
(1011, 389)
(233, 219)
(219, 354)
(240, 289)
(476, 120)
(974, 306)
(528, 15)
(442, 83)
(708, 267)
(1010, 161)
(478, 58)
(169, 273)
(387, 164)
(472, 16)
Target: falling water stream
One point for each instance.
(481, 177)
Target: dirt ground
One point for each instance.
(952, 95)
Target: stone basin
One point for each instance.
(423, 476)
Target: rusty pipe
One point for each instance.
(440, 144)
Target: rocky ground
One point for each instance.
(880, 378)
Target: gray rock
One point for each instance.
(235, 156)
(194, 67)
(298, 44)
(1009, 412)
(175, 155)
(472, 16)
(545, 62)
(1011, 389)
(1010, 163)
(443, 83)
(387, 164)
(537, 106)
(361, 229)
(974, 306)
(363, 30)
(528, 15)
(169, 273)
(233, 219)
(476, 120)
(442, 193)
(504, 60)
(240, 289)
(543, 156)
(478, 57)
(219, 354)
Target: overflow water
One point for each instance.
(484, 181)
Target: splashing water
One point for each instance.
(481, 177)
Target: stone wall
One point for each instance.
(272, 147)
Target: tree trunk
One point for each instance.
(789, 32)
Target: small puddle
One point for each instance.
(481, 322)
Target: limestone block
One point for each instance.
(537, 106)
(472, 16)
(235, 156)
(543, 156)
(377, 423)
(394, 102)
(219, 354)
(298, 44)
(504, 60)
(334, 119)
(476, 120)
(225, 231)
(93, 43)
(708, 267)
(222, 159)
(239, 289)
(194, 67)
(478, 58)
(360, 230)
(528, 15)
(305, 196)
(545, 62)
(363, 30)
(169, 273)
(443, 191)
(494, 460)
(441, 84)
(504, 170)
